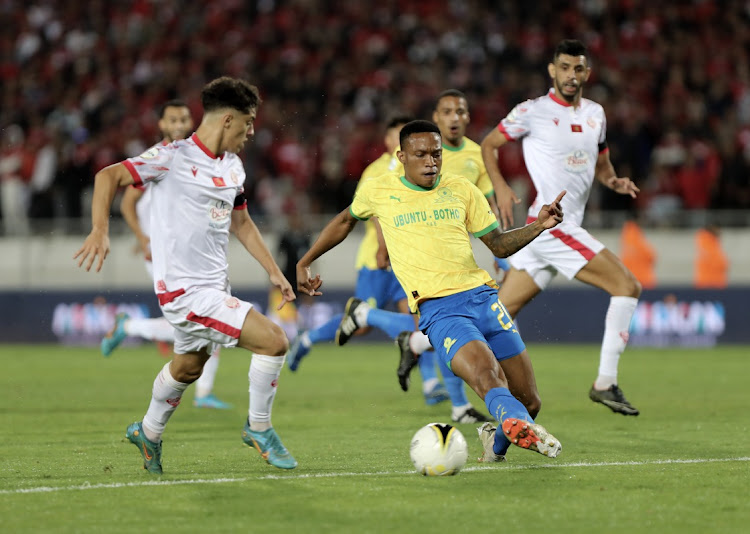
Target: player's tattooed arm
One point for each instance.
(504, 244)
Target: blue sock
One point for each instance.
(426, 364)
(501, 444)
(391, 323)
(327, 331)
(503, 405)
(454, 385)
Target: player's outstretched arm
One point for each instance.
(96, 244)
(504, 195)
(334, 233)
(248, 234)
(503, 244)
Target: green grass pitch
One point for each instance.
(682, 466)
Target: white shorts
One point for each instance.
(566, 248)
(205, 317)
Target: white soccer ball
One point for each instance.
(438, 449)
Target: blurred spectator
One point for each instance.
(16, 168)
(96, 71)
(711, 263)
(45, 151)
(659, 197)
(637, 254)
(733, 189)
(75, 173)
(696, 178)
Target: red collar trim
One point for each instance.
(554, 98)
(203, 147)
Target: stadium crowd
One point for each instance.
(81, 82)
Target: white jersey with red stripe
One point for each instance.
(193, 193)
(561, 144)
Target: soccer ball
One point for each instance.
(438, 449)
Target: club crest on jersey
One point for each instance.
(591, 122)
(233, 176)
(445, 195)
(577, 161)
(150, 153)
(218, 181)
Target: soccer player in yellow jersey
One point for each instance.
(426, 217)
(376, 285)
(463, 157)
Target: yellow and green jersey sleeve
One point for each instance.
(368, 248)
(426, 232)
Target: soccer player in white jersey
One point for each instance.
(198, 199)
(175, 122)
(564, 145)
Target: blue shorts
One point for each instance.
(378, 287)
(451, 322)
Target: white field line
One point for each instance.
(115, 485)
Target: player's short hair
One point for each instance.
(449, 92)
(174, 103)
(398, 120)
(415, 127)
(571, 47)
(226, 92)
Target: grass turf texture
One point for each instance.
(682, 466)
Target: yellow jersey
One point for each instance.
(427, 232)
(368, 248)
(465, 160)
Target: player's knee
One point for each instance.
(278, 343)
(631, 287)
(185, 373)
(626, 286)
(637, 288)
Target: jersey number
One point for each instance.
(503, 317)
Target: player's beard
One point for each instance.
(570, 99)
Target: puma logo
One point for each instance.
(395, 198)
